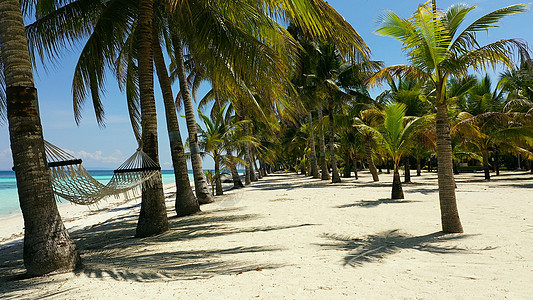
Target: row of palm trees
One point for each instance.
(264, 79)
(237, 46)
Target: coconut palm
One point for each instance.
(370, 117)
(218, 136)
(437, 49)
(492, 132)
(47, 244)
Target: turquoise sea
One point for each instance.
(8, 187)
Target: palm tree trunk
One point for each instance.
(355, 167)
(312, 157)
(185, 203)
(397, 191)
(455, 167)
(486, 165)
(263, 168)
(200, 184)
(448, 203)
(218, 180)
(321, 140)
(237, 182)
(497, 162)
(47, 244)
(418, 167)
(153, 216)
(334, 171)
(347, 166)
(253, 174)
(259, 176)
(407, 175)
(370, 161)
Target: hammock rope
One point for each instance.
(72, 182)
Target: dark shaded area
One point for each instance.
(374, 203)
(373, 248)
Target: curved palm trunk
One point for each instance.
(247, 157)
(448, 203)
(153, 216)
(335, 178)
(200, 184)
(407, 175)
(322, 146)
(253, 172)
(47, 244)
(312, 157)
(370, 161)
(186, 203)
(397, 191)
(486, 165)
(237, 182)
(218, 180)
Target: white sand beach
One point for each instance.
(291, 237)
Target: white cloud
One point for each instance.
(116, 157)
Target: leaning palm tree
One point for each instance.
(47, 244)
(437, 49)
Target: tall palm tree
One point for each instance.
(185, 202)
(153, 216)
(437, 49)
(47, 244)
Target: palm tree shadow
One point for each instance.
(374, 203)
(375, 247)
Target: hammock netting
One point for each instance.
(72, 182)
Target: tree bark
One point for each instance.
(486, 165)
(418, 167)
(47, 244)
(347, 166)
(397, 191)
(237, 182)
(355, 167)
(335, 178)
(314, 165)
(153, 216)
(218, 176)
(407, 175)
(322, 146)
(497, 162)
(185, 203)
(200, 184)
(259, 176)
(370, 161)
(448, 203)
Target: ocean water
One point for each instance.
(9, 202)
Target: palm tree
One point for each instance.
(492, 132)
(218, 136)
(185, 203)
(437, 50)
(47, 244)
(371, 118)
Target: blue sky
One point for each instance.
(108, 147)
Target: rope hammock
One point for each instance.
(72, 182)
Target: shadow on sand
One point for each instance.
(109, 251)
(374, 203)
(373, 248)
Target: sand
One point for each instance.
(291, 237)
